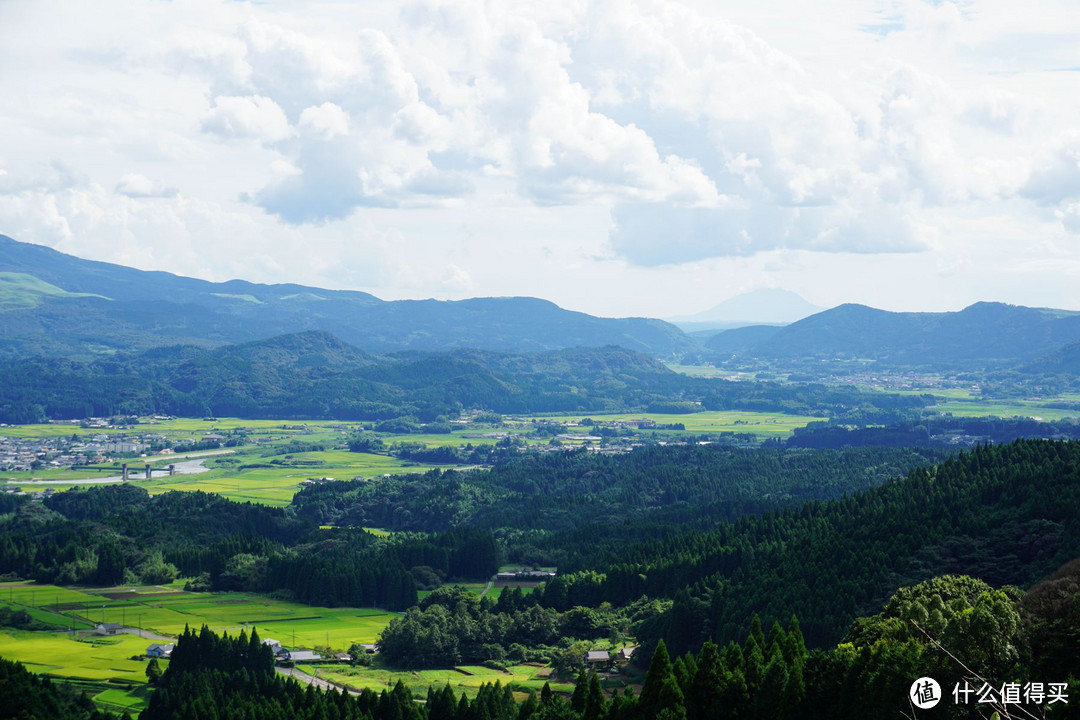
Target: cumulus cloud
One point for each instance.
(694, 133)
(253, 116)
(1058, 175)
(137, 185)
(659, 234)
(325, 121)
(1069, 215)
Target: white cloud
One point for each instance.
(325, 121)
(137, 185)
(1069, 214)
(690, 134)
(252, 116)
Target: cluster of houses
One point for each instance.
(284, 656)
(19, 454)
(605, 659)
(26, 454)
(281, 655)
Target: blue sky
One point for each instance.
(616, 157)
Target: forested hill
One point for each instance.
(315, 375)
(1005, 514)
(58, 304)
(983, 336)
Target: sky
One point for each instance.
(616, 157)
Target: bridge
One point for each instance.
(126, 471)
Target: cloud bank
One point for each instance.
(699, 135)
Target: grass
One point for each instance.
(67, 656)
(19, 291)
(167, 610)
(1004, 409)
(132, 700)
(254, 473)
(762, 424)
(466, 678)
(277, 485)
(707, 371)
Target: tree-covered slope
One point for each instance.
(1006, 514)
(984, 335)
(135, 309)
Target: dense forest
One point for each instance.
(680, 485)
(1005, 514)
(999, 513)
(932, 432)
(974, 554)
(991, 650)
(315, 375)
(120, 534)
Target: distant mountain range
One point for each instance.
(982, 336)
(57, 304)
(765, 306)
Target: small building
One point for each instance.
(108, 628)
(296, 656)
(157, 650)
(597, 657)
(627, 652)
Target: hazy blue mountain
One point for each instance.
(765, 306)
(314, 374)
(1065, 360)
(54, 303)
(984, 335)
(742, 339)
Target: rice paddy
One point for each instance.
(166, 611)
(761, 424)
(466, 678)
(112, 666)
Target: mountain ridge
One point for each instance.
(981, 336)
(141, 309)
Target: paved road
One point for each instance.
(146, 634)
(304, 679)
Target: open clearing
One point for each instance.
(762, 424)
(467, 678)
(1036, 409)
(71, 656)
(167, 610)
(265, 470)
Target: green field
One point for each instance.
(467, 678)
(264, 473)
(1005, 409)
(103, 665)
(167, 610)
(764, 425)
(71, 656)
(708, 371)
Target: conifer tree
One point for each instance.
(661, 689)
